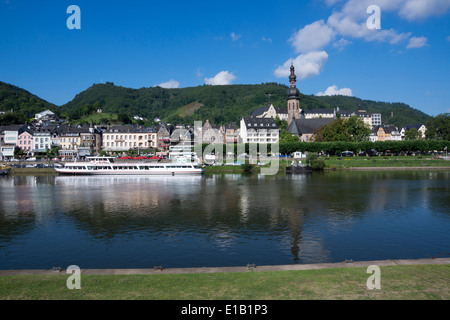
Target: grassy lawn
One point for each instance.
(419, 282)
(391, 161)
(352, 162)
(97, 118)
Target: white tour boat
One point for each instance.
(107, 166)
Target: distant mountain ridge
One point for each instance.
(219, 104)
(20, 100)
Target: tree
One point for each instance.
(413, 134)
(315, 161)
(124, 118)
(438, 128)
(287, 137)
(87, 110)
(352, 129)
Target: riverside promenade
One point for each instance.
(296, 267)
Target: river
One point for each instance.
(222, 220)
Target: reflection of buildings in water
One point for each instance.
(311, 249)
(125, 192)
(271, 204)
(385, 191)
(244, 205)
(17, 196)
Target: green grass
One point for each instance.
(419, 282)
(97, 118)
(351, 162)
(391, 161)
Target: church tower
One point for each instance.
(293, 100)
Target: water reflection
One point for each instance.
(221, 219)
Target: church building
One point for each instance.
(293, 100)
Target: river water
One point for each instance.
(222, 220)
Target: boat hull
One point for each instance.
(127, 172)
(106, 166)
(299, 169)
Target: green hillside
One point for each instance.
(23, 104)
(220, 104)
(398, 114)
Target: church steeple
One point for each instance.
(293, 97)
(293, 77)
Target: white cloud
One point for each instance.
(266, 39)
(417, 42)
(332, 2)
(235, 37)
(312, 37)
(172, 84)
(307, 65)
(448, 38)
(349, 19)
(222, 78)
(406, 9)
(334, 91)
(422, 9)
(341, 44)
(351, 23)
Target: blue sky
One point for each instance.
(189, 43)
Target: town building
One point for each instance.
(259, 130)
(366, 117)
(293, 100)
(305, 129)
(231, 133)
(41, 141)
(376, 119)
(45, 115)
(25, 139)
(319, 113)
(419, 127)
(163, 138)
(388, 133)
(269, 111)
(128, 137)
(212, 134)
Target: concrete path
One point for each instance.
(345, 264)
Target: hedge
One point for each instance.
(337, 147)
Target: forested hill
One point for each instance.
(23, 104)
(221, 104)
(399, 114)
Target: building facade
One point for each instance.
(25, 140)
(125, 138)
(259, 130)
(293, 100)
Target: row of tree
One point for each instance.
(332, 148)
(353, 129)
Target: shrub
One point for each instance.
(315, 162)
(246, 167)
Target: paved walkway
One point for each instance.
(345, 264)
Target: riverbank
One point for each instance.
(400, 279)
(331, 163)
